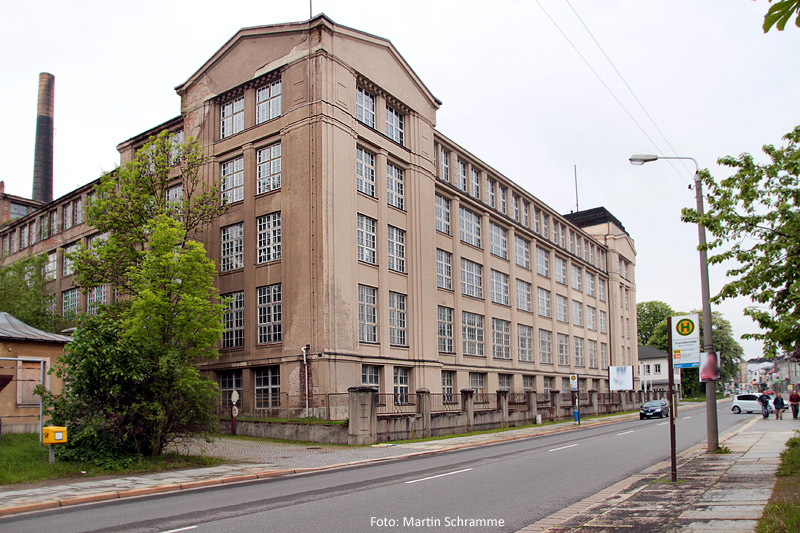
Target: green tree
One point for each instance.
(130, 383)
(127, 199)
(780, 13)
(754, 218)
(23, 294)
(731, 352)
(648, 316)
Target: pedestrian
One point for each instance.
(794, 403)
(779, 406)
(763, 400)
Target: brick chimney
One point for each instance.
(43, 155)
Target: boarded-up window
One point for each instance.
(28, 377)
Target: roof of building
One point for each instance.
(592, 217)
(648, 352)
(15, 329)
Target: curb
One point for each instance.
(266, 474)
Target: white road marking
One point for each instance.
(624, 433)
(686, 418)
(439, 475)
(187, 528)
(562, 448)
(662, 423)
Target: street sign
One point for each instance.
(573, 382)
(686, 341)
(235, 411)
(234, 397)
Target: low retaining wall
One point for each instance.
(324, 433)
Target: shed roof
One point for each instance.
(12, 328)
(648, 352)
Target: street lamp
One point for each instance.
(712, 430)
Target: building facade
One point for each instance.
(359, 232)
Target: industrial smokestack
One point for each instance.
(43, 156)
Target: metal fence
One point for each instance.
(400, 403)
(444, 402)
(486, 401)
(269, 405)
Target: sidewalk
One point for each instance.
(714, 492)
(256, 460)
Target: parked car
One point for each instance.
(654, 409)
(748, 403)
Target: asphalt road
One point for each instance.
(504, 486)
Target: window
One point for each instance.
(591, 318)
(527, 383)
(71, 303)
(77, 212)
(501, 335)
(95, 298)
(268, 102)
(17, 211)
(646, 369)
(394, 125)
(562, 313)
(563, 349)
(577, 313)
(233, 180)
(23, 237)
(627, 328)
(233, 320)
(365, 172)
(448, 381)
(471, 278)
(365, 107)
(371, 375)
(491, 193)
(395, 187)
(268, 171)
(524, 343)
(561, 270)
(367, 314)
(592, 349)
(499, 282)
(68, 267)
(603, 320)
(526, 210)
(445, 166)
(462, 176)
(603, 355)
(590, 279)
(544, 302)
(366, 240)
(270, 314)
(537, 217)
(601, 290)
(627, 299)
(522, 252)
(477, 382)
(397, 319)
(472, 333)
(44, 227)
(444, 269)
(401, 385)
(504, 381)
(268, 387)
(232, 247)
(545, 347)
(515, 202)
(175, 196)
(470, 225)
(53, 222)
(229, 381)
(498, 240)
(555, 230)
(66, 211)
(548, 384)
(501, 194)
(442, 214)
(545, 225)
(476, 184)
(397, 249)
(563, 242)
(14, 241)
(542, 262)
(51, 266)
(524, 302)
(446, 329)
(269, 237)
(578, 346)
(577, 273)
(657, 368)
(231, 118)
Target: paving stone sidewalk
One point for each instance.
(715, 492)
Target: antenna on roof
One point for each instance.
(310, 9)
(575, 168)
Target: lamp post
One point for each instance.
(712, 431)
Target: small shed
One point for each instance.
(26, 354)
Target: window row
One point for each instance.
(268, 242)
(269, 314)
(365, 179)
(267, 106)
(394, 125)
(368, 316)
(367, 244)
(266, 390)
(268, 174)
(55, 221)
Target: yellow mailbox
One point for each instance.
(54, 435)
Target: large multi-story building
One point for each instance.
(355, 227)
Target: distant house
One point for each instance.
(27, 352)
(653, 369)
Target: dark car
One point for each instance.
(654, 409)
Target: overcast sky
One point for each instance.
(514, 90)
